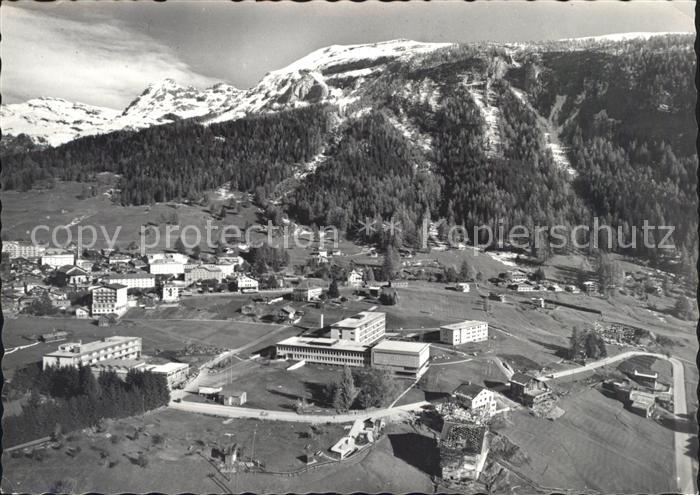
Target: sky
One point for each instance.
(107, 53)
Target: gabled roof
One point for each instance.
(521, 378)
(469, 390)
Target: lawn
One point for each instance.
(597, 445)
(178, 446)
(155, 334)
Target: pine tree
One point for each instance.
(333, 291)
(392, 262)
(180, 246)
(345, 391)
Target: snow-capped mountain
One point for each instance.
(329, 74)
(53, 121)
(169, 101)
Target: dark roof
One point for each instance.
(469, 389)
(521, 378)
(114, 286)
(464, 437)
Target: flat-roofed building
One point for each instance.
(175, 373)
(166, 266)
(109, 299)
(132, 280)
(402, 359)
(324, 351)
(464, 331)
(77, 353)
(23, 249)
(203, 273)
(119, 366)
(364, 328)
(57, 259)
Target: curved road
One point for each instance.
(684, 467)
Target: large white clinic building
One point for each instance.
(464, 332)
(358, 341)
(402, 359)
(364, 328)
(77, 353)
(324, 351)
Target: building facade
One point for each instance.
(57, 260)
(323, 351)
(166, 266)
(23, 249)
(364, 328)
(464, 332)
(402, 359)
(108, 299)
(305, 292)
(199, 273)
(132, 280)
(247, 284)
(354, 279)
(77, 353)
(174, 373)
(474, 397)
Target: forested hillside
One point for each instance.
(468, 134)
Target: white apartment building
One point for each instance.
(132, 280)
(364, 328)
(57, 260)
(175, 373)
(77, 353)
(203, 272)
(323, 351)
(464, 332)
(22, 249)
(108, 299)
(402, 359)
(166, 266)
(179, 257)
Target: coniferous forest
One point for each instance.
(624, 114)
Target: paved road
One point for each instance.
(244, 412)
(685, 475)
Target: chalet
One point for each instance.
(642, 403)
(590, 286)
(71, 275)
(305, 292)
(354, 278)
(287, 313)
(474, 397)
(497, 297)
(529, 390)
(81, 312)
(247, 284)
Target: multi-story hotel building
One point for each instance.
(132, 280)
(464, 331)
(57, 259)
(175, 373)
(324, 351)
(166, 266)
(402, 359)
(77, 353)
(364, 328)
(108, 299)
(23, 249)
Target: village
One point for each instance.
(294, 334)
